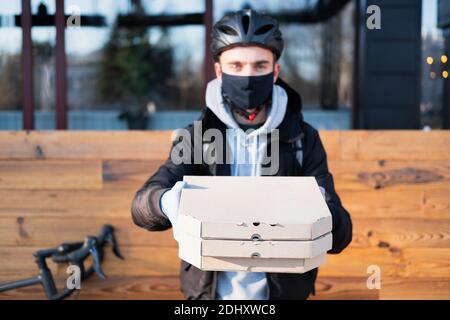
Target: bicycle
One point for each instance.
(74, 253)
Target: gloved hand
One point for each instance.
(170, 202)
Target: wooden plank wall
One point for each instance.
(60, 186)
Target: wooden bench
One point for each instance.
(60, 186)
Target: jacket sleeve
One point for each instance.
(315, 164)
(145, 208)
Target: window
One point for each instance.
(121, 71)
(10, 67)
(434, 67)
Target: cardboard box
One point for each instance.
(270, 224)
(255, 256)
(190, 251)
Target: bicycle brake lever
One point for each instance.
(96, 264)
(115, 246)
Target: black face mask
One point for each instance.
(247, 92)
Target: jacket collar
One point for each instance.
(290, 128)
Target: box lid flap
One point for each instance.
(244, 207)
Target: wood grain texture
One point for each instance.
(358, 145)
(371, 175)
(128, 174)
(343, 288)
(354, 262)
(67, 203)
(401, 233)
(34, 231)
(28, 231)
(114, 288)
(85, 145)
(386, 145)
(59, 186)
(139, 261)
(50, 174)
(415, 289)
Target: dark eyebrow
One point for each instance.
(259, 62)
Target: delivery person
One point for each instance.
(246, 94)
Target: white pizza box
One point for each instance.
(254, 256)
(257, 249)
(253, 208)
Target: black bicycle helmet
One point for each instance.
(246, 27)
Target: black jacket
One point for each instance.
(197, 284)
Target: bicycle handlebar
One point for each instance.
(73, 253)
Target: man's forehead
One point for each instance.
(248, 54)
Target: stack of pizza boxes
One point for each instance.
(258, 224)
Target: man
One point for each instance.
(247, 94)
